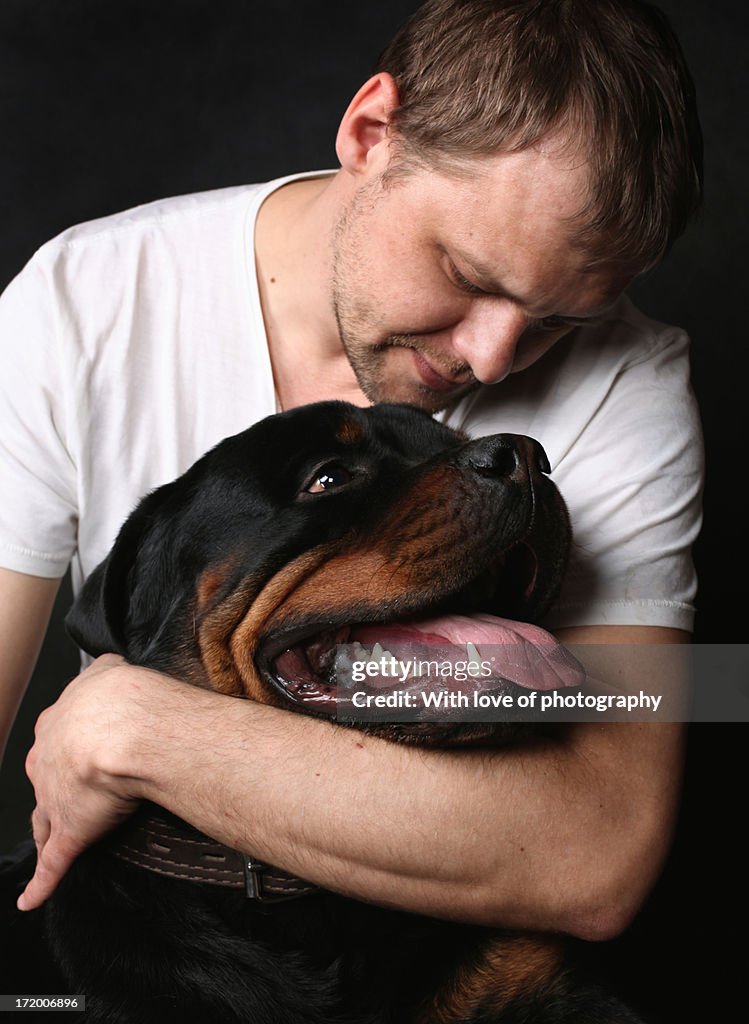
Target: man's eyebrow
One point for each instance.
(483, 277)
(483, 274)
(486, 276)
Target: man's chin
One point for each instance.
(416, 393)
(404, 385)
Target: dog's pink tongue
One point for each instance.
(525, 655)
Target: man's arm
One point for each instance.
(566, 834)
(25, 607)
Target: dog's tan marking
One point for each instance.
(228, 634)
(350, 432)
(259, 620)
(506, 969)
(210, 582)
(214, 638)
(349, 585)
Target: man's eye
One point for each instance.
(562, 323)
(330, 476)
(463, 283)
(551, 323)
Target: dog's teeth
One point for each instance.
(343, 662)
(473, 654)
(377, 652)
(361, 652)
(388, 655)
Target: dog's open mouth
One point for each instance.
(486, 653)
(455, 646)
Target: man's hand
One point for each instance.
(79, 798)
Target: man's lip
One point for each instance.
(432, 378)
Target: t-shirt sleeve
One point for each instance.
(633, 482)
(38, 516)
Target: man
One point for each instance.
(505, 174)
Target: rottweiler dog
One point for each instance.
(315, 529)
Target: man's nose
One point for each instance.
(487, 337)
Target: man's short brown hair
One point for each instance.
(477, 77)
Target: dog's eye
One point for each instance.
(330, 476)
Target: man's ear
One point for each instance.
(362, 143)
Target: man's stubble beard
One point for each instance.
(358, 323)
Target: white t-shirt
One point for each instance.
(130, 345)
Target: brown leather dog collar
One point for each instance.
(160, 842)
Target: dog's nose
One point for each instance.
(505, 455)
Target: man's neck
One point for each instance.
(293, 250)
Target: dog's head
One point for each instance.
(324, 526)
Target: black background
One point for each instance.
(107, 105)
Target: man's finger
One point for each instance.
(51, 865)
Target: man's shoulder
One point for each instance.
(98, 264)
(198, 225)
(172, 214)
(169, 213)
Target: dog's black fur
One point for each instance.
(365, 516)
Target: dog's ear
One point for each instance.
(87, 621)
(98, 619)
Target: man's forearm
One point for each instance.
(558, 835)
(25, 606)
